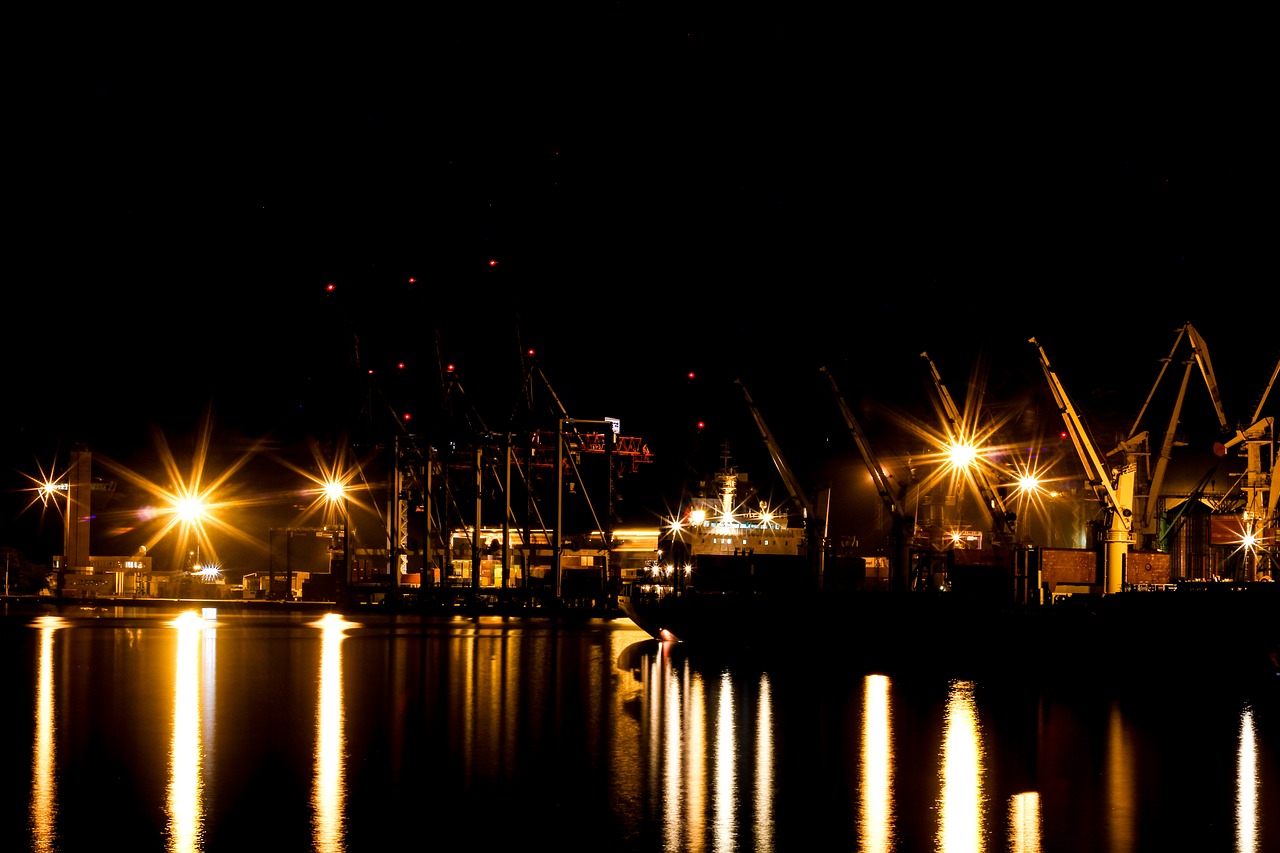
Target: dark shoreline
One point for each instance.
(457, 605)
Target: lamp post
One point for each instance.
(336, 493)
(191, 509)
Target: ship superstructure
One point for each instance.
(734, 522)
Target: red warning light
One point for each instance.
(493, 263)
(702, 424)
(448, 368)
(691, 376)
(530, 353)
(407, 416)
(412, 280)
(330, 287)
(400, 365)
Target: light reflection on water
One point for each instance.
(185, 773)
(44, 791)
(329, 793)
(1024, 822)
(597, 737)
(764, 767)
(726, 759)
(1247, 785)
(960, 817)
(1120, 786)
(978, 806)
(875, 819)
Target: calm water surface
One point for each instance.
(144, 729)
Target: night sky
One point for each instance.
(635, 198)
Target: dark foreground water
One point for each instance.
(140, 730)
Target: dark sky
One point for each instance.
(660, 194)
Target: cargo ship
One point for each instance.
(728, 549)
(738, 579)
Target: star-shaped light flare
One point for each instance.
(46, 488)
(190, 504)
(335, 483)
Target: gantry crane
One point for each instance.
(1113, 488)
(1002, 520)
(413, 472)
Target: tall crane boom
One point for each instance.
(1199, 357)
(878, 476)
(1001, 519)
(1113, 489)
(784, 470)
(1262, 398)
(903, 528)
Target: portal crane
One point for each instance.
(1260, 510)
(1002, 521)
(1113, 488)
(903, 524)
(1136, 443)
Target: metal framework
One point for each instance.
(1002, 520)
(1113, 488)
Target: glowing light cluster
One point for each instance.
(189, 503)
(46, 486)
(188, 507)
(962, 455)
(208, 572)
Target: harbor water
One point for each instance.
(196, 729)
